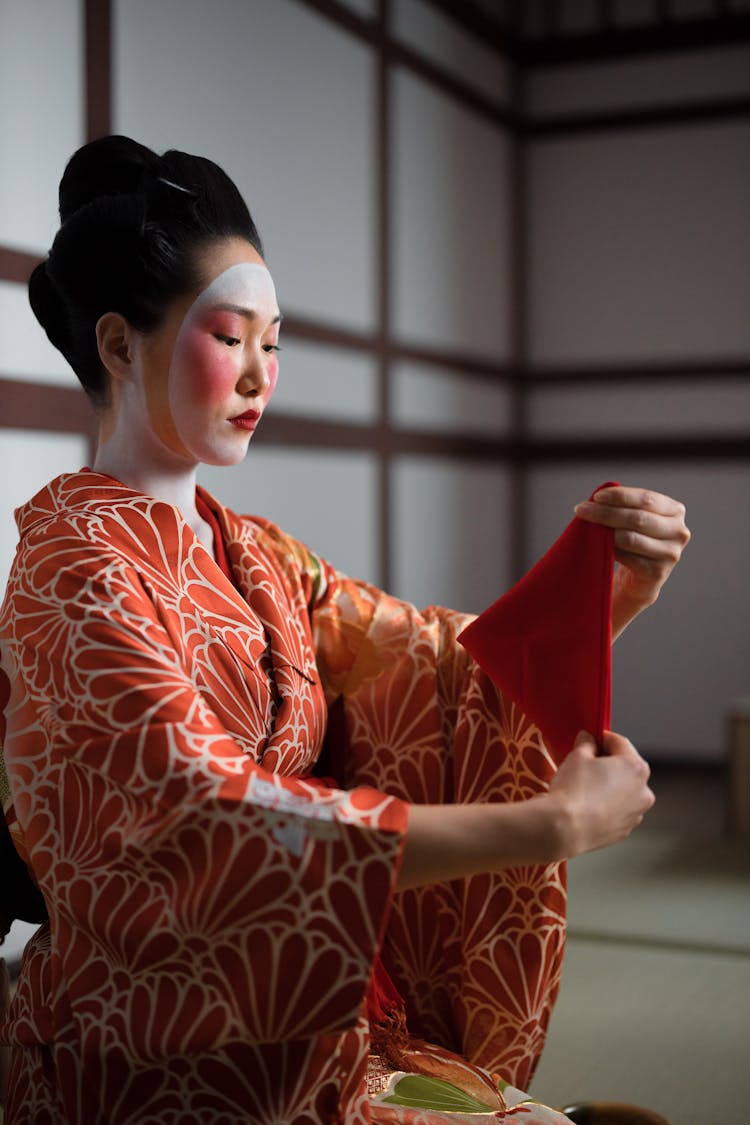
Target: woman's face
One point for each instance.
(211, 368)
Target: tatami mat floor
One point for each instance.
(655, 1003)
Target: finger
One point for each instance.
(617, 745)
(632, 548)
(643, 499)
(585, 743)
(636, 520)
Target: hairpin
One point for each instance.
(177, 187)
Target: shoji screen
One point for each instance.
(41, 122)
(285, 101)
(451, 289)
(639, 291)
(377, 169)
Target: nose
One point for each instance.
(254, 380)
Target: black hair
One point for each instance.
(132, 225)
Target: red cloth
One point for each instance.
(547, 642)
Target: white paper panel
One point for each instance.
(598, 87)
(41, 114)
(661, 407)
(28, 460)
(638, 246)
(680, 665)
(25, 351)
(283, 100)
(431, 33)
(328, 499)
(428, 398)
(451, 534)
(325, 383)
(451, 240)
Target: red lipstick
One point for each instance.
(246, 421)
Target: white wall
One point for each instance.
(451, 281)
(639, 254)
(638, 247)
(41, 115)
(284, 100)
(679, 666)
(451, 532)
(40, 50)
(289, 108)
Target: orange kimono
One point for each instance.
(214, 910)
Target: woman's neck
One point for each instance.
(174, 485)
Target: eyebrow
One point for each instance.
(242, 310)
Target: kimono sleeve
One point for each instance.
(478, 960)
(181, 879)
(412, 695)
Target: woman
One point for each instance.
(293, 844)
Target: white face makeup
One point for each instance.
(196, 387)
(247, 285)
(223, 366)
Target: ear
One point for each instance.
(115, 338)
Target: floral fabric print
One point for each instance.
(214, 910)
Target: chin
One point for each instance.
(226, 458)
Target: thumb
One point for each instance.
(584, 740)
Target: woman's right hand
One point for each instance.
(600, 799)
(593, 801)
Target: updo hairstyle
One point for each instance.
(132, 225)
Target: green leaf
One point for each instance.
(421, 1092)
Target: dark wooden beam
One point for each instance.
(449, 83)
(368, 30)
(302, 431)
(98, 57)
(644, 371)
(500, 37)
(726, 28)
(670, 448)
(687, 113)
(619, 42)
(320, 332)
(16, 265)
(26, 405)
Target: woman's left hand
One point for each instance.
(650, 536)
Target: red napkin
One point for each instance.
(547, 642)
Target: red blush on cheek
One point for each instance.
(273, 375)
(205, 367)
